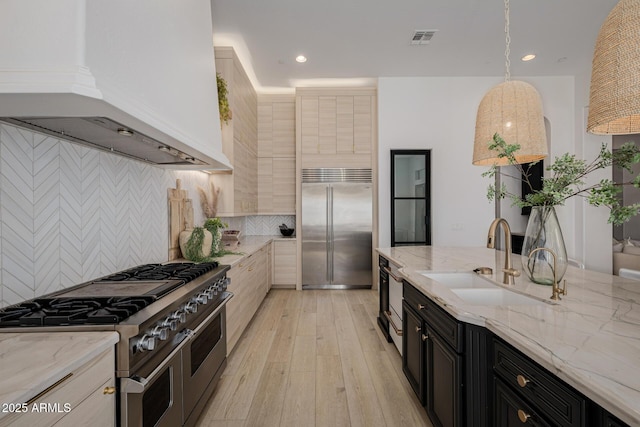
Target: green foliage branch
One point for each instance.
(223, 99)
(567, 179)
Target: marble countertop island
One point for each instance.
(590, 339)
(31, 362)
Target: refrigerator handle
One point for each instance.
(331, 235)
(327, 234)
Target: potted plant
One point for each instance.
(566, 178)
(223, 101)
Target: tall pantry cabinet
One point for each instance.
(239, 190)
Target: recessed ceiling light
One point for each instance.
(301, 58)
(125, 132)
(528, 57)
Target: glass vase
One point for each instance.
(543, 231)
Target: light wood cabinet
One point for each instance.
(239, 195)
(276, 162)
(337, 126)
(284, 263)
(249, 284)
(86, 396)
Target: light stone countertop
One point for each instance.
(590, 339)
(31, 362)
(249, 245)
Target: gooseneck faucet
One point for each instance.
(508, 270)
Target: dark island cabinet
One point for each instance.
(444, 361)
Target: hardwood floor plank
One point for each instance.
(300, 400)
(324, 310)
(304, 354)
(327, 341)
(307, 324)
(332, 408)
(282, 347)
(270, 396)
(391, 395)
(367, 330)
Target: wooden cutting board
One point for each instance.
(180, 217)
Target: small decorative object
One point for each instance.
(223, 101)
(209, 200)
(195, 244)
(567, 179)
(215, 226)
(286, 231)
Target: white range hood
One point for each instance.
(136, 78)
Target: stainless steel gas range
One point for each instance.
(172, 325)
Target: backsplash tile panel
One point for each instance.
(69, 214)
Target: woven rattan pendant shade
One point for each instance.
(614, 100)
(512, 109)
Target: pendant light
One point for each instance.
(614, 99)
(512, 109)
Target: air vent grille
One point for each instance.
(422, 36)
(336, 175)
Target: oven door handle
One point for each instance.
(388, 271)
(138, 385)
(205, 322)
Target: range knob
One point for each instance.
(171, 323)
(160, 332)
(225, 282)
(201, 298)
(210, 292)
(191, 307)
(147, 343)
(179, 316)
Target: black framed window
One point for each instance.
(410, 197)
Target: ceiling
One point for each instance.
(357, 41)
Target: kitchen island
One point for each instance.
(590, 339)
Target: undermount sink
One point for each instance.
(460, 280)
(476, 290)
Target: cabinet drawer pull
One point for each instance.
(522, 381)
(421, 306)
(48, 389)
(418, 329)
(425, 337)
(523, 416)
(109, 390)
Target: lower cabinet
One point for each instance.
(285, 272)
(249, 284)
(84, 397)
(433, 359)
(511, 410)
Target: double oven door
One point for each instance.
(175, 392)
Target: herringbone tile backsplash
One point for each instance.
(69, 214)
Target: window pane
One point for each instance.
(409, 175)
(410, 220)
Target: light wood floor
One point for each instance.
(314, 358)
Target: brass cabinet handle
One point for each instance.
(397, 330)
(522, 381)
(109, 390)
(524, 417)
(425, 337)
(421, 306)
(388, 271)
(418, 329)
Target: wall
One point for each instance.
(69, 214)
(439, 113)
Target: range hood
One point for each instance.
(135, 79)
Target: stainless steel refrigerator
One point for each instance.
(336, 228)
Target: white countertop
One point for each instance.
(249, 245)
(31, 362)
(590, 339)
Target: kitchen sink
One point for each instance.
(494, 296)
(460, 280)
(477, 290)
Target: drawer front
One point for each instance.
(446, 326)
(511, 409)
(383, 262)
(562, 405)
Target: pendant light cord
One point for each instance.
(507, 51)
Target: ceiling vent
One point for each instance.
(422, 36)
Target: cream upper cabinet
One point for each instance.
(239, 195)
(337, 126)
(276, 162)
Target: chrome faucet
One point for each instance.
(556, 292)
(508, 270)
